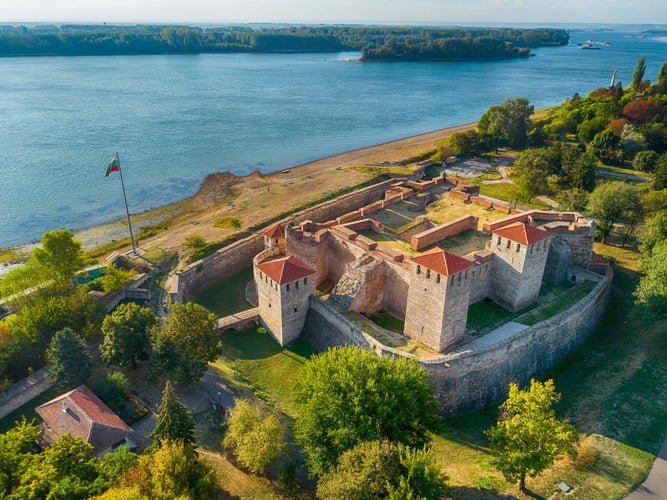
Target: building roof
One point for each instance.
(286, 269)
(442, 262)
(81, 413)
(522, 233)
(275, 231)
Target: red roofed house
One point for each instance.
(284, 286)
(520, 256)
(438, 298)
(82, 414)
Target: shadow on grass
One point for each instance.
(469, 493)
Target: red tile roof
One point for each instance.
(286, 269)
(522, 233)
(442, 262)
(275, 231)
(81, 413)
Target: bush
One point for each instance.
(587, 458)
(228, 223)
(113, 390)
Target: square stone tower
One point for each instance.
(519, 257)
(284, 286)
(438, 297)
(275, 236)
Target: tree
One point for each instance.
(382, 469)
(615, 202)
(349, 395)
(256, 435)
(15, 453)
(113, 390)
(660, 173)
(632, 141)
(645, 161)
(580, 175)
(528, 437)
(638, 74)
(184, 345)
(126, 335)
(651, 292)
(604, 145)
(173, 421)
(530, 172)
(508, 123)
(69, 358)
(60, 256)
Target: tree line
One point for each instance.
(375, 43)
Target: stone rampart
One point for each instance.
(25, 390)
(226, 262)
(442, 231)
(473, 377)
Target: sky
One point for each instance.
(336, 11)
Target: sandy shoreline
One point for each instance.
(391, 151)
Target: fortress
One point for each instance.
(321, 281)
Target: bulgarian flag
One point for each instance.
(114, 166)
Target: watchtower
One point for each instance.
(519, 257)
(275, 236)
(438, 297)
(284, 286)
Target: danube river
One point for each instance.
(175, 118)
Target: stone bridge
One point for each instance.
(239, 320)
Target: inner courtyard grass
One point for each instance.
(227, 297)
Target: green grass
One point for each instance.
(389, 241)
(228, 223)
(388, 322)
(486, 316)
(563, 302)
(227, 297)
(255, 362)
(506, 192)
(28, 409)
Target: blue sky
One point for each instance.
(344, 11)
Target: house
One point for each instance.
(81, 413)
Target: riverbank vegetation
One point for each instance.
(385, 43)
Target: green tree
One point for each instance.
(645, 161)
(256, 435)
(580, 174)
(349, 395)
(632, 141)
(173, 421)
(660, 173)
(508, 123)
(115, 279)
(15, 455)
(69, 358)
(194, 242)
(113, 390)
(528, 437)
(651, 292)
(185, 344)
(530, 172)
(638, 74)
(60, 256)
(615, 202)
(126, 335)
(382, 469)
(604, 144)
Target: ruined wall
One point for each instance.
(442, 231)
(24, 390)
(360, 288)
(339, 255)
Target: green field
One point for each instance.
(227, 297)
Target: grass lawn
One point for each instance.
(227, 297)
(389, 241)
(486, 316)
(565, 301)
(505, 192)
(254, 362)
(448, 209)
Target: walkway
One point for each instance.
(655, 484)
(499, 334)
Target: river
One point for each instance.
(176, 118)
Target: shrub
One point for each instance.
(113, 390)
(587, 458)
(228, 223)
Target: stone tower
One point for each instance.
(438, 296)
(275, 236)
(519, 257)
(284, 286)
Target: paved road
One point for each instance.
(655, 485)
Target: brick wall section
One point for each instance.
(25, 390)
(490, 227)
(442, 231)
(460, 195)
(365, 224)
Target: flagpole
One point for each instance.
(127, 210)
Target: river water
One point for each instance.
(176, 118)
